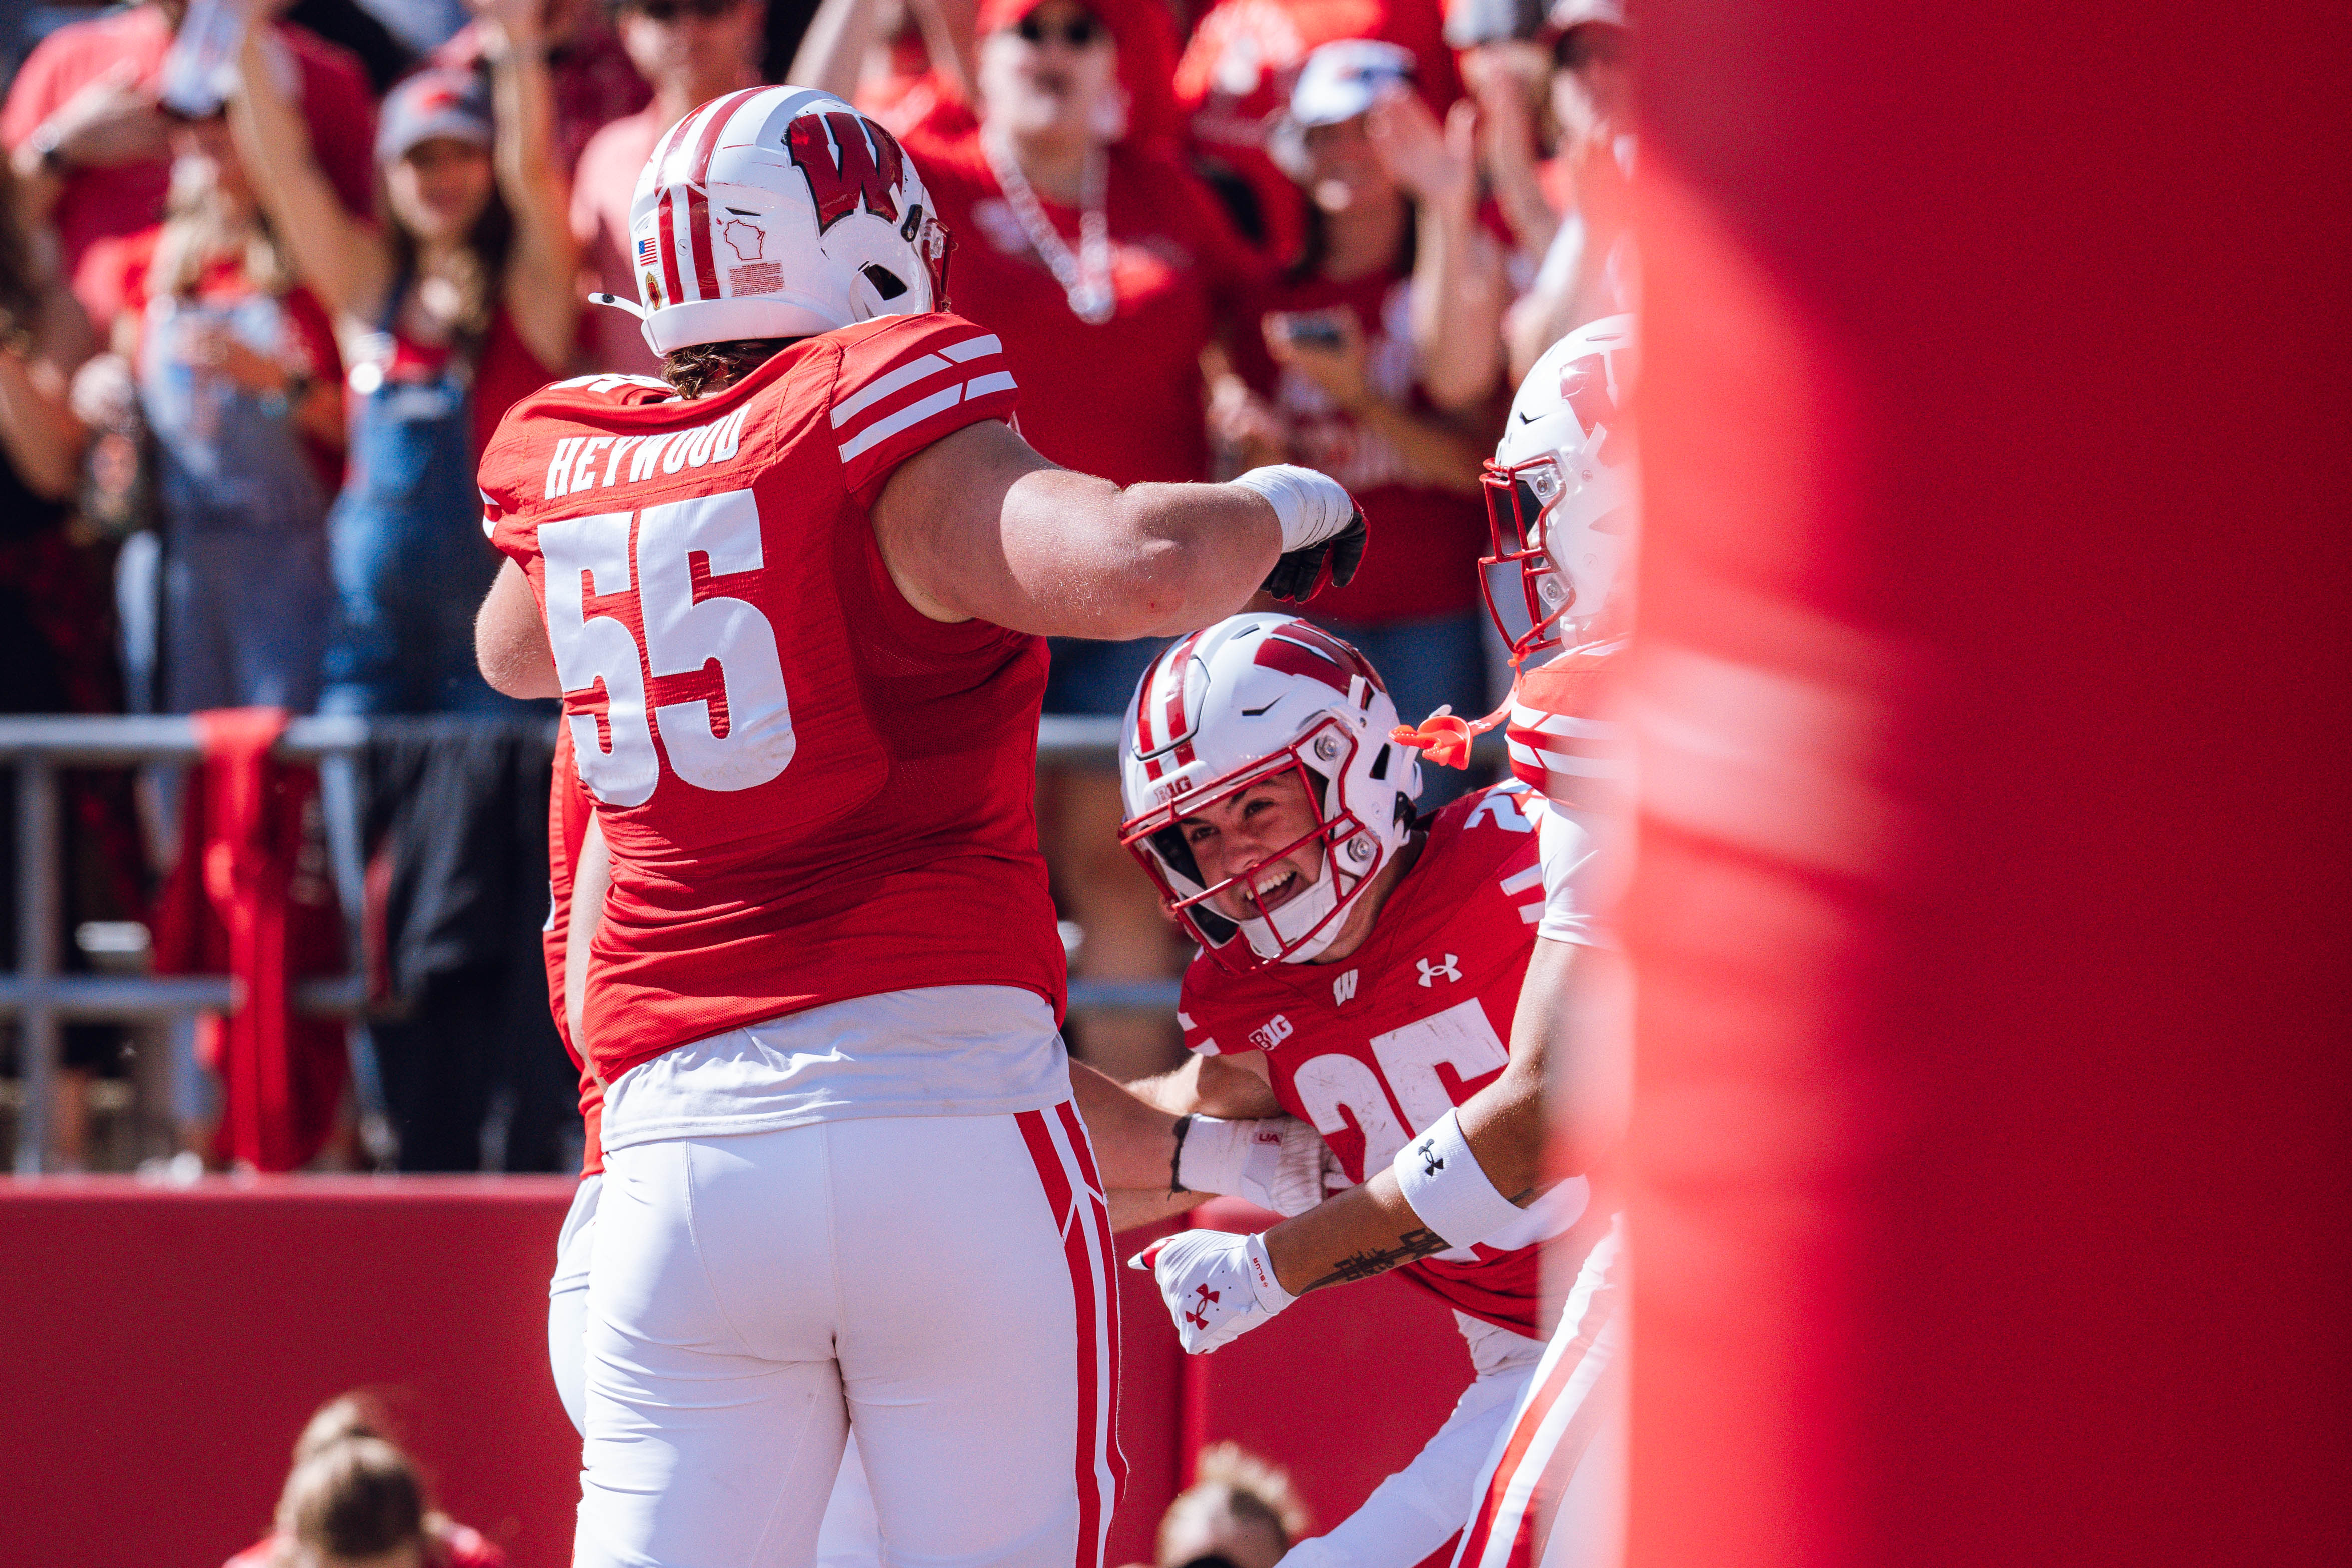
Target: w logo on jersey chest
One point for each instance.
(1343, 989)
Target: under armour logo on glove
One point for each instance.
(1217, 1286)
(1200, 1319)
(1430, 971)
(1429, 1162)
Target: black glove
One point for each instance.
(1299, 575)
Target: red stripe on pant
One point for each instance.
(1071, 1187)
(1496, 1509)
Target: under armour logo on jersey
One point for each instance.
(1271, 1033)
(1451, 968)
(1343, 989)
(1429, 1162)
(1198, 1315)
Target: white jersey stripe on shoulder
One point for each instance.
(1560, 762)
(981, 386)
(973, 347)
(1564, 723)
(912, 414)
(1519, 882)
(882, 386)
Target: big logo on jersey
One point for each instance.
(850, 162)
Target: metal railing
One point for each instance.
(42, 997)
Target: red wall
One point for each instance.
(164, 1346)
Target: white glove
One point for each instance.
(1218, 1286)
(1279, 1163)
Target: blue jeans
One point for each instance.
(1428, 663)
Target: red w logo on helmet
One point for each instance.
(859, 165)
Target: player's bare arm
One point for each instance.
(511, 639)
(979, 525)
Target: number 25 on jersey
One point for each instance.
(683, 634)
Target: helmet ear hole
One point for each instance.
(886, 283)
(1379, 772)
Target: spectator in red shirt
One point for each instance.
(1107, 268)
(591, 78)
(88, 142)
(465, 299)
(690, 51)
(1235, 77)
(353, 1498)
(1376, 363)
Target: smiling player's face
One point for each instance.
(1230, 836)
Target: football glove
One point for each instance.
(1279, 1163)
(1218, 1286)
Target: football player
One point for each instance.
(793, 598)
(1364, 971)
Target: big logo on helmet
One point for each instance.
(858, 163)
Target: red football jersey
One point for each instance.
(1373, 1049)
(1560, 743)
(568, 810)
(808, 786)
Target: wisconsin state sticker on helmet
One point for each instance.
(780, 212)
(1237, 704)
(1560, 498)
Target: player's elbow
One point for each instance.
(1153, 591)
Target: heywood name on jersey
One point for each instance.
(574, 467)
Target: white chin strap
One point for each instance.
(1309, 909)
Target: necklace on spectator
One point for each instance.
(1086, 276)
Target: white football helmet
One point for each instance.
(780, 212)
(1561, 501)
(1235, 704)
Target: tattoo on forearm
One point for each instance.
(1418, 1242)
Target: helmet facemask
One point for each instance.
(1300, 927)
(1520, 501)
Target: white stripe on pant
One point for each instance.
(941, 1283)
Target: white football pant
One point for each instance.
(849, 1537)
(1552, 1492)
(942, 1284)
(1422, 1507)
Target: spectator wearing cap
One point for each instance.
(1232, 86)
(1107, 268)
(591, 79)
(87, 136)
(1589, 269)
(461, 301)
(1375, 363)
(690, 52)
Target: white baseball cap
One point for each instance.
(1345, 77)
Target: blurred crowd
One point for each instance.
(271, 274)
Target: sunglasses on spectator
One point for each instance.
(670, 10)
(1077, 32)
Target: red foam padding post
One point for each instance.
(1988, 1174)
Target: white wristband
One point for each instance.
(1310, 507)
(1214, 1156)
(1440, 1177)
